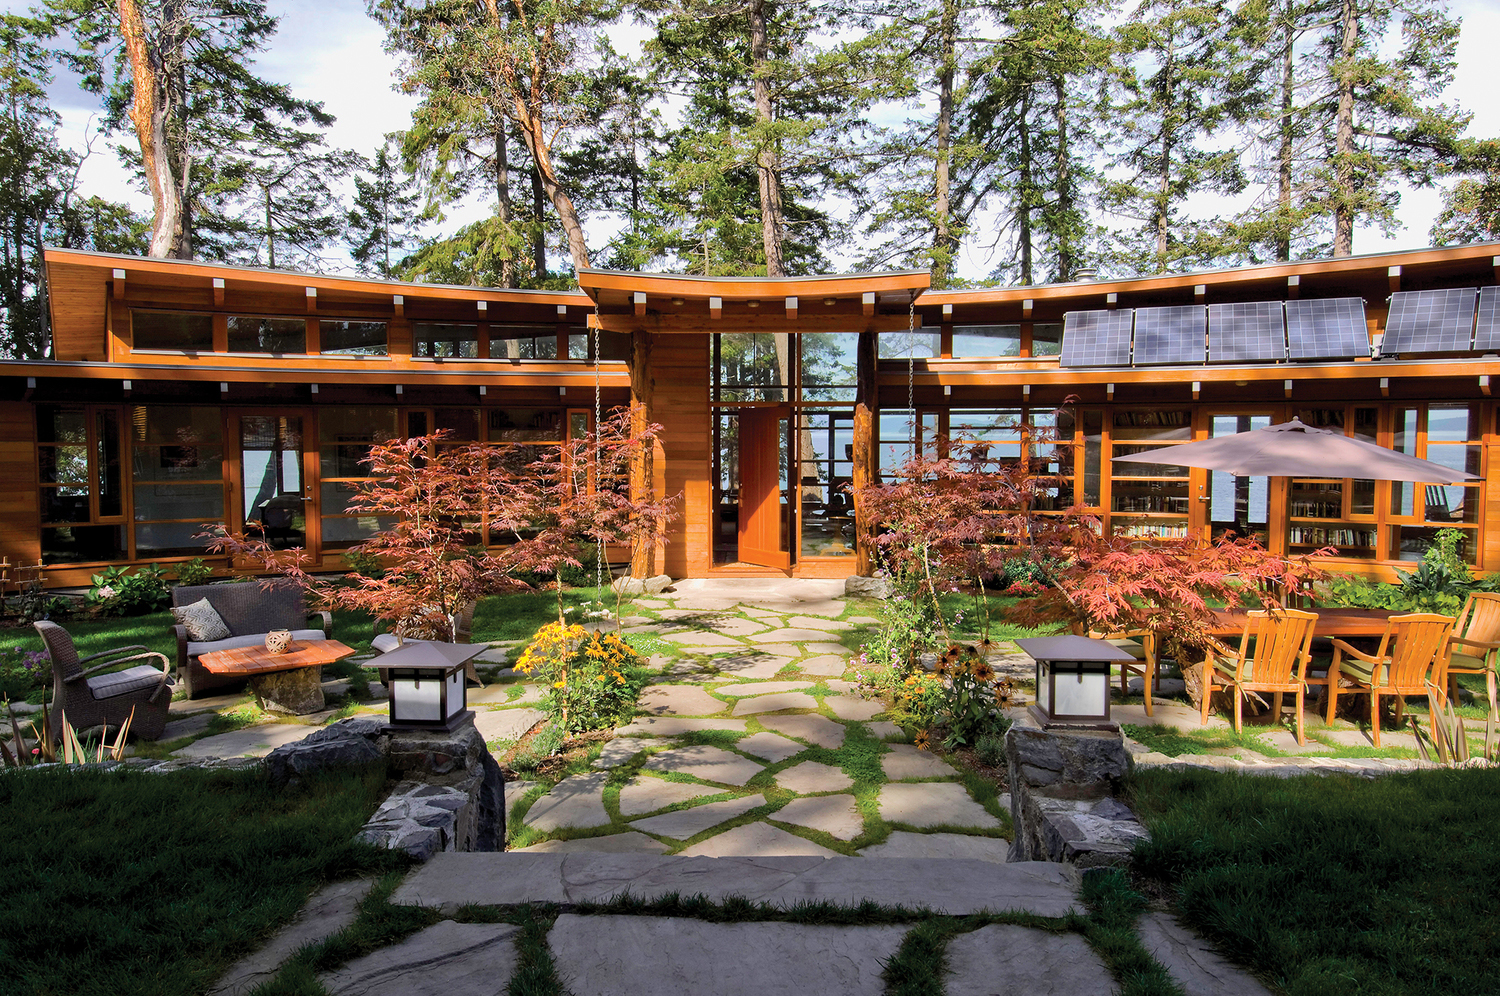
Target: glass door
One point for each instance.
(1240, 505)
(272, 490)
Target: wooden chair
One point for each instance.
(1283, 647)
(1140, 644)
(1474, 647)
(1412, 660)
(144, 691)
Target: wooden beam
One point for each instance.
(716, 307)
(639, 300)
(867, 302)
(1484, 384)
(866, 449)
(1286, 389)
(1112, 300)
(1200, 293)
(312, 300)
(1393, 274)
(643, 555)
(398, 304)
(119, 285)
(791, 309)
(1026, 307)
(1293, 286)
(218, 292)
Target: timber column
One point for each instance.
(645, 556)
(866, 401)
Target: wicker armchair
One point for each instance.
(250, 610)
(109, 699)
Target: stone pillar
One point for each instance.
(455, 760)
(1062, 797)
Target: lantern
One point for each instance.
(426, 683)
(1072, 680)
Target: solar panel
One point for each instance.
(1328, 329)
(1170, 335)
(1253, 330)
(1431, 321)
(1096, 338)
(1487, 331)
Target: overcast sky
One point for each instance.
(330, 50)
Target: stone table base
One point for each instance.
(298, 691)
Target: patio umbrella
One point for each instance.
(1293, 449)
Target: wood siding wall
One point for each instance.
(20, 514)
(679, 393)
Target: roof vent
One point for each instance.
(1084, 273)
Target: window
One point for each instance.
(82, 483)
(441, 340)
(344, 439)
(524, 425)
(171, 330)
(1046, 339)
(177, 465)
(828, 365)
(523, 342)
(353, 338)
(250, 334)
(752, 366)
(1447, 434)
(1330, 511)
(613, 347)
(923, 343)
(986, 340)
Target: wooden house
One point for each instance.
(182, 393)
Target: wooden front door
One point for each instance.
(764, 497)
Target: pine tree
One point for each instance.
(380, 222)
(1471, 207)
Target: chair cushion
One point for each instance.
(1131, 647)
(254, 639)
(386, 642)
(202, 621)
(132, 679)
(1467, 662)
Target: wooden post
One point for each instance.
(643, 558)
(866, 401)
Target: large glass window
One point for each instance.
(826, 471)
(353, 338)
(613, 347)
(177, 463)
(752, 366)
(1330, 511)
(1046, 339)
(251, 334)
(445, 340)
(1453, 438)
(171, 330)
(523, 342)
(344, 439)
(829, 365)
(986, 340)
(1149, 500)
(81, 483)
(920, 344)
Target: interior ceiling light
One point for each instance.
(678, 302)
(830, 301)
(752, 304)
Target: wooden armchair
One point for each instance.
(1412, 660)
(1474, 647)
(1278, 664)
(109, 699)
(1140, 644)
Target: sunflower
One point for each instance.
(920, 740)
(982, 671)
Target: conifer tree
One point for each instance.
(382, 218)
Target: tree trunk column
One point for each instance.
(644, 557)
(865, 442)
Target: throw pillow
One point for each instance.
(202, 621)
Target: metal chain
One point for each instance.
(598, 421)
(911, 370)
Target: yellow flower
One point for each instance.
(560, 683)
(920, 740)
(982, 671)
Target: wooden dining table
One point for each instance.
(1332, 623)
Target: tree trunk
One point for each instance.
(1027, 190)
(767, 159)
(1164, 166)
(1343, 139)
(1283, 232)
(270, 233)
(1066, 261)
(944, 245)
(533, 132)
(507, 212)
(539, 233)
(149, 117)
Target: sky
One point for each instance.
(331, 51)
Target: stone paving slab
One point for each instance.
(932, 804)
(750, 610)
(956, 887)
(252, 741)
(179, 728)
(813, 776)
(1285, 740)
(808, 622)
(621, 749)
(497, 694)
(846, 707)
(835, 815)
(328, 911)
(1192, 963)
(764, 687)
(789, 650)
(208, 703)
(446, 959)
(602, 956)
(905, 844)
(1362, 738)
(576, 801)
(757, 840)
(882, 729)
(905, 761)
(824, 665)
(754, 665)
(640, 796)
(818, 730)
(506, 724)
(682, 824)
(698, 638)
(1002, 958)
(865, 620)
(774, 703)
(835, 649)
(792, 636)
(712, 764)
(671, 726)
(615, 843)
(735, 626)
(678, 700)
(770, 746)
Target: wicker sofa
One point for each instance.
(250, 610)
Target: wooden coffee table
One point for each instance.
(288, 682)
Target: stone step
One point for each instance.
(952, 886)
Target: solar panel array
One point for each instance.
(1096, 338)
(1327, 329)
(1170, 335)
(1487, 329)
(1431, 321)
(1253, 330)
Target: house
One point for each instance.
(182, 393)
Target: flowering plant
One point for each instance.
(595, 677)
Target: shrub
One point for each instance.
(1440, 583)
(117, 593)
(990, 748)
(194, 572)
(542, 746)
(969, 699)
(595, 677)
(23, 672)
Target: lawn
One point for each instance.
(127, 883)
(1331, 885)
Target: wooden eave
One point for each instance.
(668, 303)
(247, 370)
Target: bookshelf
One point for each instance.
(1149, 501)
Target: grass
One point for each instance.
(1175, 743)
(1328, 885)
(125, 883)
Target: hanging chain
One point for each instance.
(911, 370)
(598, 422)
